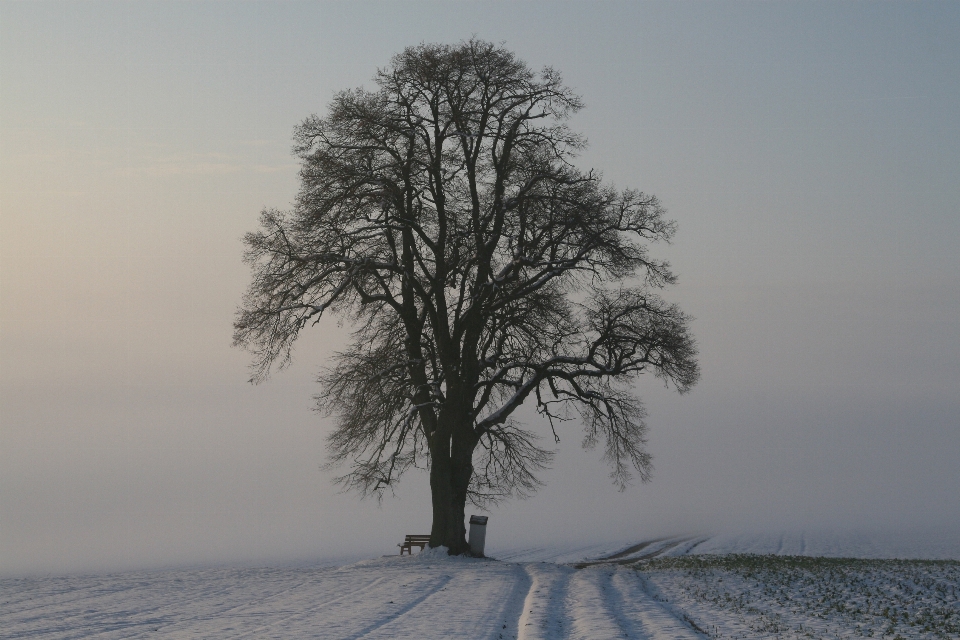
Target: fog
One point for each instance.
(808, 152)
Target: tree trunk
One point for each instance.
(449, 502)
(451, 468)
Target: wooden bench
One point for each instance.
(413, 541)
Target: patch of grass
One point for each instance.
(811, 597)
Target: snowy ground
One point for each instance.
(664, 588)
(750, 596)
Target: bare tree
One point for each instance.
(441, 215)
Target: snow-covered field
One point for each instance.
(671, 588)
(749, 596)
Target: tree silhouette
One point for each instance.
(442, 216)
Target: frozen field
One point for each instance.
(664, 588)
(749, 596)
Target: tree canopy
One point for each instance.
(442, 216)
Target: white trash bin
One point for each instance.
(478, 534)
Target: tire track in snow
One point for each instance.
(631, 550)
(368, 607)
(405, 609)
(697, 542)
(618, 606)
(624, 557)
(588, 601)
(544, 615)
(491, 600)
(487, 599)
(513, 609)
(651, 619)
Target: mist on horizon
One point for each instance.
(807, 152)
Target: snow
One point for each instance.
(672, 588)
(748, 596)
(927, 546)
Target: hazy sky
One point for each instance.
(810, 153)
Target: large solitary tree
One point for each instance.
(441, 215)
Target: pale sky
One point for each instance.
(810, 153)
